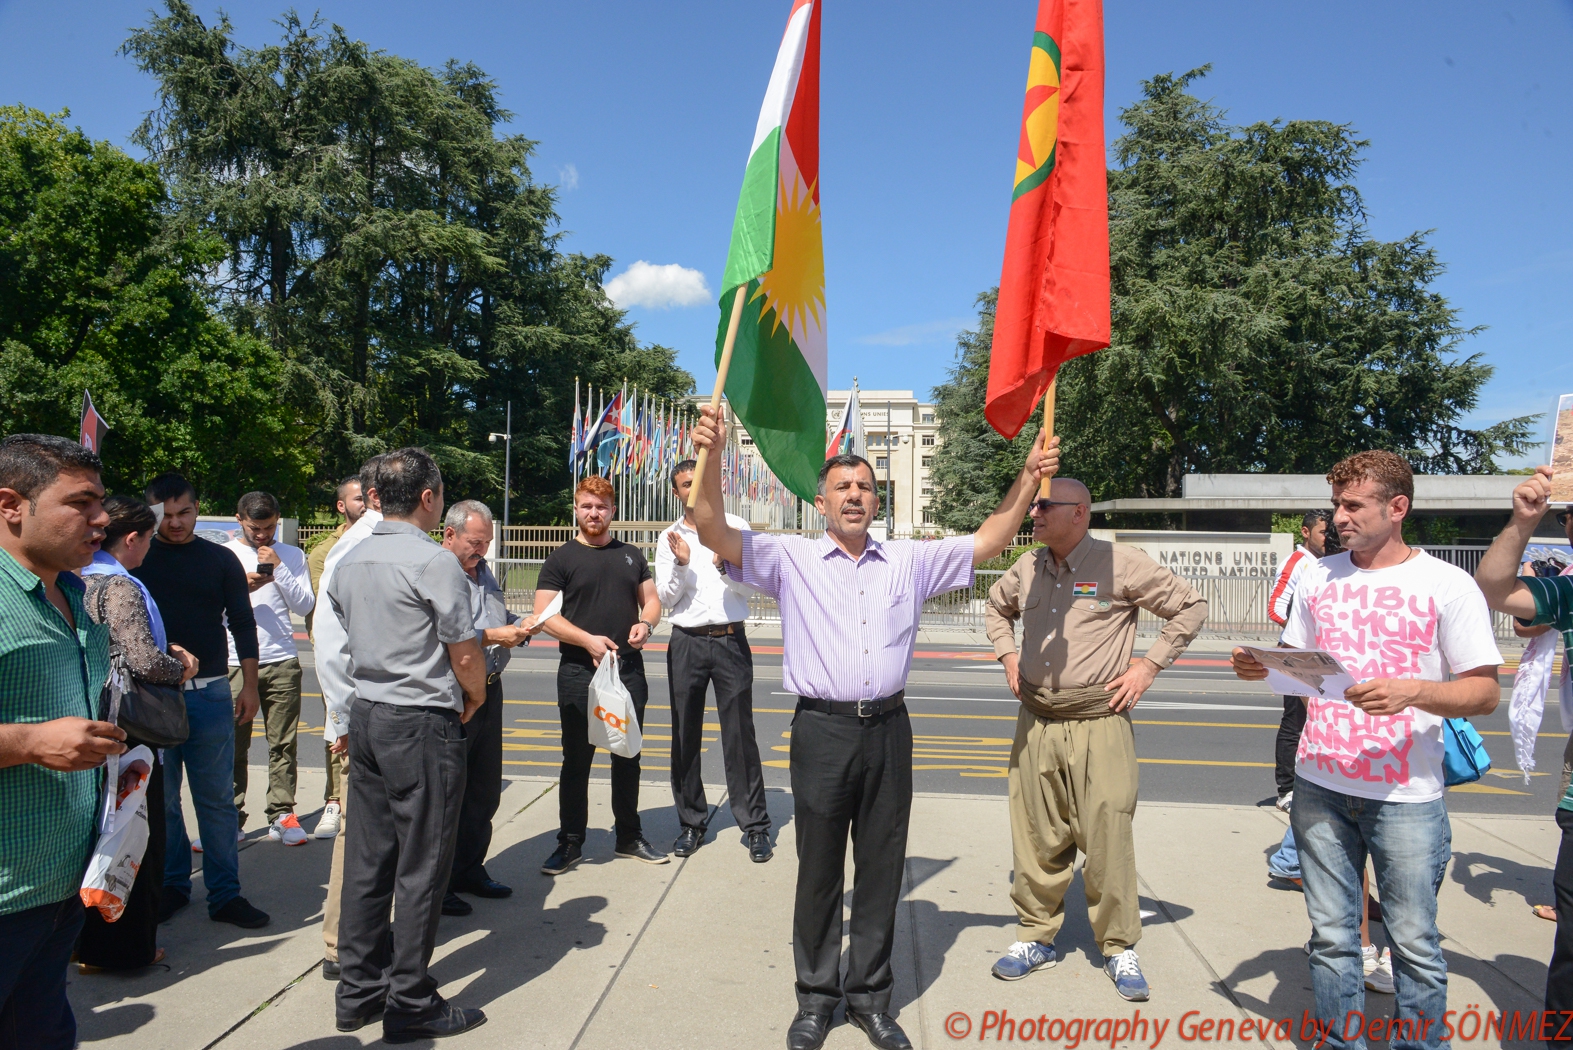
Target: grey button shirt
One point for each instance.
(402, 598)
(488, 610)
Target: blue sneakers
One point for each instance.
(1023, 958)
(1126, 974)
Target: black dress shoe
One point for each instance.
(808, 1031)
(881, 1029)
(170, 900)
(330, 970)
(240, 912)
(688, 842)
(453, 904)
(488, 888)
(449, 1020)
(640, 849)
(759, 849)
(567, 855)
(359, 1021)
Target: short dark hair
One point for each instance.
(368, 472)
(353, 479)
(169, 486)
(683, 467)
(401, 478)
(257, 506)
(844, 459)
(1390, 471)
(1314, 516)
(30, 463)
(127, 514)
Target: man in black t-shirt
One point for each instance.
(609, 605)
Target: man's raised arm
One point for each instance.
(1497, 575)
(709, 509)
(997, 531)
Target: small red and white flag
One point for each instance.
(93, 426)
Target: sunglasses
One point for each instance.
(1562, 518)
(1042, 506)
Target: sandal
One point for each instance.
(87, 971)
(1545, 911)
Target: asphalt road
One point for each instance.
(1201, 735)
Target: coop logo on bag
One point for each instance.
(619, 724)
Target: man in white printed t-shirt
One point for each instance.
(1369, 768)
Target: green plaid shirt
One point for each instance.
(47, 671)
(1554, 605)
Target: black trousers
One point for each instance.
(131, 941)
(693, 663)
(482, 790)
(34, 1011)
(573, 788)
(1289, 727)
(848, 774)
(1559, 975)
(406, 783)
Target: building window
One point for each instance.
(929, 516)
(928, 490)
(928, 417)
(928, 461)
(882, 463)
(745, 439)
(928, 440)
(876, 440)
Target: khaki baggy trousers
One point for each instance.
(1073, 787)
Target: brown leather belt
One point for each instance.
(713, 630)
(855, 708)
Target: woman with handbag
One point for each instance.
(118, 600)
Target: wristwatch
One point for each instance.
(649, 625)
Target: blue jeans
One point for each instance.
(1286, 862)
(207, 758)
(34, 1011)
(1409, 844)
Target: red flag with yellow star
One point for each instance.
(1054, 288)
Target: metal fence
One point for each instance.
(1236, 605)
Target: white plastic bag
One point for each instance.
(118, 855)
(613, 723)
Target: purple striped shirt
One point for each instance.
(848, 627)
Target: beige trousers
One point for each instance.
(330, 907)
(1073, 787)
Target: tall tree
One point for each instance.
(1256, 325)
(97, 291)
(390, 245)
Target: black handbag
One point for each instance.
(150, 713)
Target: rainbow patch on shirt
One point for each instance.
(1084, 590)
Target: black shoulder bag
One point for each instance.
(154, 714)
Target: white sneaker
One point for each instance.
(287, 829)
(1378, 969)
(328, 823)
(1285, 801)
(196, 845)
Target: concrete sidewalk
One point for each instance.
(697, 953)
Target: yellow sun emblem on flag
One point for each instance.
(1040, 116)
(794, 286)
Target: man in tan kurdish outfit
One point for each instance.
(1073, 773)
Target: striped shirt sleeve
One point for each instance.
(942, 565)
(764, 557)
(1553, 601)
(1284, 588)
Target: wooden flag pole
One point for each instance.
(720, 382)
(1048, 429)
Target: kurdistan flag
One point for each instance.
(776, 385)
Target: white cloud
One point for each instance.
(926, 332)
(568, 177)
(658, 287)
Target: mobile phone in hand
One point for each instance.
(265, 568)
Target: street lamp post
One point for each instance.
(507, 469)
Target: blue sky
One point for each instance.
(644, 113)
